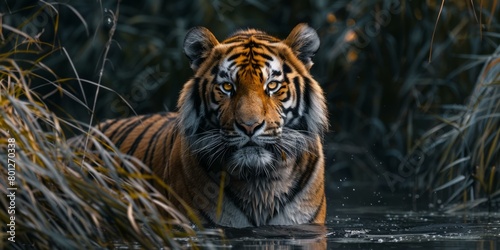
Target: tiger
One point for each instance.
(245, 145)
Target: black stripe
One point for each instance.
(295, 109)
(126, 132)
(230, 50)
(172, 139)
(209, 221)
(108, 125)
(203, 92)
(265, 37)
(298, 90)
(138, 139)
(317, 210)
(154, 140)
(236, 38)
(286, 68)
(307, 93)
(223, 74)
(195, 96)
(120, 126)
(304, 179)
(251, 44)
(120, 134)
(302, 125)
(215, 70)
(288, 95)
(232, 64)
(233, 57)
(267, 57)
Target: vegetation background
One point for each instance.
(410, 109)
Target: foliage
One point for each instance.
(467, 142)
(54, 194)
(63, 199)
(388, 88)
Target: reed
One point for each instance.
(66, 197)
(464, 149)
(56, 195)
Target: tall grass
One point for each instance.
(64, 201)
(463, 149)
(66, 196)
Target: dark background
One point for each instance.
(389, 68)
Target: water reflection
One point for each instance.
(359, 225)
(365, 229)
(277, 237)
(424, 230)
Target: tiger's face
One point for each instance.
(252, 104)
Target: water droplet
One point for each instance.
(108, 20)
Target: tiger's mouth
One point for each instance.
(252, 156)
(251, 160)
(248, 157)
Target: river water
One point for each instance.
(360, 219)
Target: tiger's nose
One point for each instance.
(249, 128)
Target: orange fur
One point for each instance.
(253, 111)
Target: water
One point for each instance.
(381, 228)
(376, 222)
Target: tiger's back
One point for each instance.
(245, 147)
(147, 137)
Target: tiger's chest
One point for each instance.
(259, 203)
(261, 214)
(252, 213)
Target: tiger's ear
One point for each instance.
(198, 43)
(304, 42)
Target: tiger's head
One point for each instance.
(252, 104)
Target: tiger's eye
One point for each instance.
(272, 86)
(227, 87)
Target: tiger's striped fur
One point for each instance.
(253, 114)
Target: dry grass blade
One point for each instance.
(456, 180)
(57, 196)
(467, 148)
(435, 27)
(68, 197)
